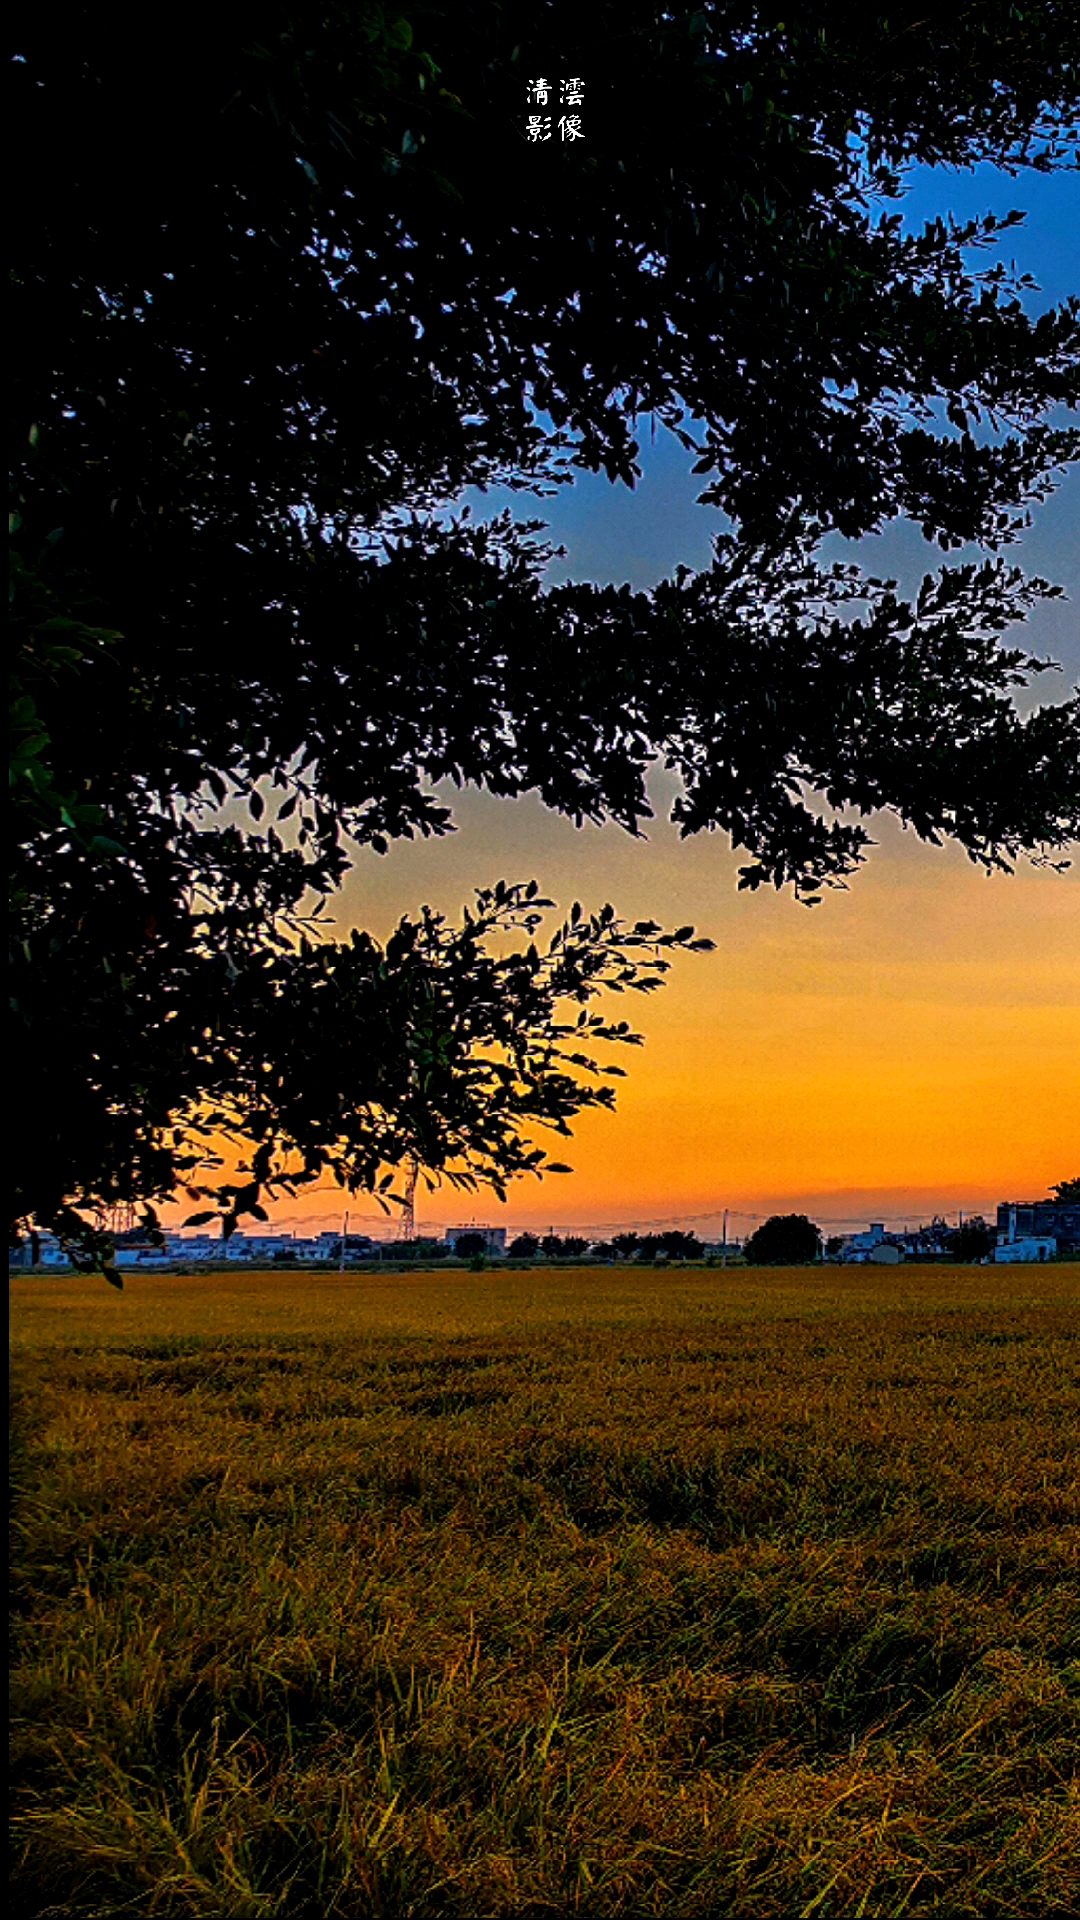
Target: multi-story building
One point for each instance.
(1041, 1219)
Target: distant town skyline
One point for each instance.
(1012, 1232)
(707, 1224)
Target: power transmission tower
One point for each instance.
(408, 1218)
(120, 1219)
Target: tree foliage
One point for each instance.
(647, 1247)
(471, 1246)
(275, 307)
(973, 1241)
(570, 1246)
(672, 1245)
(784, 1240)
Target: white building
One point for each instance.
(859, 1247)
(258, 1246)
(1030, 1247)
(193, 1246)
(1013, 1246)
(327, 1246)
(144, 1256)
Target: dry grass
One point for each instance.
(688, 1594)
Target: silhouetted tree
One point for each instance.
(784, 1240)
(274, 303)
(469, 1245)
(681, 1246)
(973, 1241)
(556, 1246)
(525, 1247)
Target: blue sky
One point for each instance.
(613, 535)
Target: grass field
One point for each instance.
(604, 1592)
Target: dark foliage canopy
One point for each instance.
(471, 1246)
(784, 1240)
(569, 1246)
(973, 1241)
(525, 1247)
(276, 304)
(645, 1247)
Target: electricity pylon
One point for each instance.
(408, 1218)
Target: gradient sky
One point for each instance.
(910, 1045)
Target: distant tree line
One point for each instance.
(624, 1246)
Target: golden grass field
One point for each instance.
(597, 1591)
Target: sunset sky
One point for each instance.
(910, 1045)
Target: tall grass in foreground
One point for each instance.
(772, 1616)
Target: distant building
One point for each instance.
(889, 1249)
(259, 1246)
(1017, 1219)
(306, 1250)
(1016, 1242)
(494, 1237)
(1029, 1247)
(862, 1245)
(50, 1255)
(193, 1246)
(857, 1248)
(927, 1243)
(358, 1246)
(142, 1253)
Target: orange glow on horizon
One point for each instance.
(911, 1043)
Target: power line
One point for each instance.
(603, 1229)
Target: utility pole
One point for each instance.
(344, 1242)
(723, 1260)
